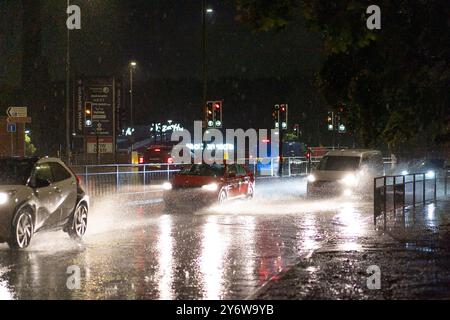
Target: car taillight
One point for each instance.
(170, 160)
(141, 160)
(78, 179)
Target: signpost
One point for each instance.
(11, 128)
(17, 112)
(16, 115)
(98, 98)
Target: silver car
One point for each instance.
(39, 194)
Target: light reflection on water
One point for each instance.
(165, 259)
(351, 226)
(206, 256)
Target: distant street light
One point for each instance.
(209, 10)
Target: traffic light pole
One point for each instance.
(280, 148)
(205, 70)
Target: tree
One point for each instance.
(394, 81)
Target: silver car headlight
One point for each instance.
(4, 197)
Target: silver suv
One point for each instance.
(39, 194)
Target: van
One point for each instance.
(346, 172)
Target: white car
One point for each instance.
(39, 194)
(346, 172)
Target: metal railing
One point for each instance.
(402, 191)
(101, 180)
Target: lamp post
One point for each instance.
(205, 12)
(133, 65)
(68, 148)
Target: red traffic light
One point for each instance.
(217, 106)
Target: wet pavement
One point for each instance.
(412, 255)
(242, 250)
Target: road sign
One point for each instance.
(17, 112)
(105, 145)
(19, 120)
(11, 127)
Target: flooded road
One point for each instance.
(138, 251)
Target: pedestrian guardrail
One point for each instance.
(402, 191)
(101, 180)
(446, 180)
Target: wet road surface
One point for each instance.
(135, 250)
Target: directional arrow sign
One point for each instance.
(17, 112)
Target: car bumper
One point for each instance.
(329, 188)
(190, 197)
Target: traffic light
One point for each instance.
(214, 114)
(210, 114)
(308, 154)
(276, 115)
(88, 114)
(217, 110)
(342, 128)
(330, 121)
(284, 116)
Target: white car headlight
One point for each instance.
(167, 186)
(430, 174)
(210, 187)
(3, 198)
(350, 180)
(311, 178)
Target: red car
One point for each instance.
(157, 155)
(203, 184)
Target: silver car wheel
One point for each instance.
(80, 221)
(24, 230)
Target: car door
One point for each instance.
(244, 180)
(65, 186)
(233, 180)
(46, 211)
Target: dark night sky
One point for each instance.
(251, 72)
(163, 36)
